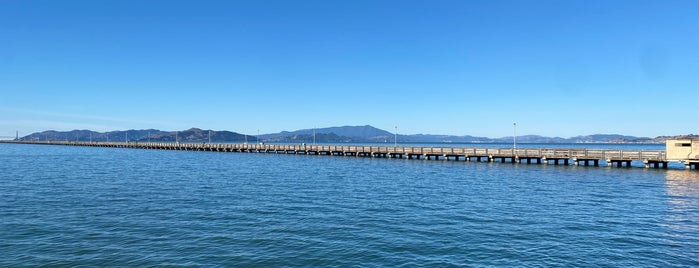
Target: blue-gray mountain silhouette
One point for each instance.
(342, 134)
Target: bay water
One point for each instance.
(68, 206)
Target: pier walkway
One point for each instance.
(587, 157)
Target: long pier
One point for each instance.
(586, 157)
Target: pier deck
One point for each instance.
(618, 158)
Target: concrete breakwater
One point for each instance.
(587, 157)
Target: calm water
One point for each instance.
(73, 206)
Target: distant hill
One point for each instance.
(531, 139)
(371, 134)
(87, 135)
(343, 134)
(441, 138)
(189, 135)
(607, 138)
(199, 135)
(332, 134)
(661, 139)
(365, 133)
(596, 138)
(347, 131)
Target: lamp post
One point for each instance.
(209, 136)
(514, 138)
(395, 137)
(314, 136)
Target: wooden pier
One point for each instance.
(618, 158)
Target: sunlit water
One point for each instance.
(73, 206)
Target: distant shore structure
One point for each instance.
(684, 151)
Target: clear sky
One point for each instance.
(557, 68)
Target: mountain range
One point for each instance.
(343, 134)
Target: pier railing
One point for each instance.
(544, 153)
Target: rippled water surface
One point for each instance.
(76, 206)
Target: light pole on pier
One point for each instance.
(314, 136)
(514, 138)
(209, 136)
(258, 136)
(395, 137)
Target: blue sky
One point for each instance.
(557, 68)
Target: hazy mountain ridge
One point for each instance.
(343, 134)
(347, 131)
(189, 135)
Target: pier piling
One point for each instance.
(586, 157)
